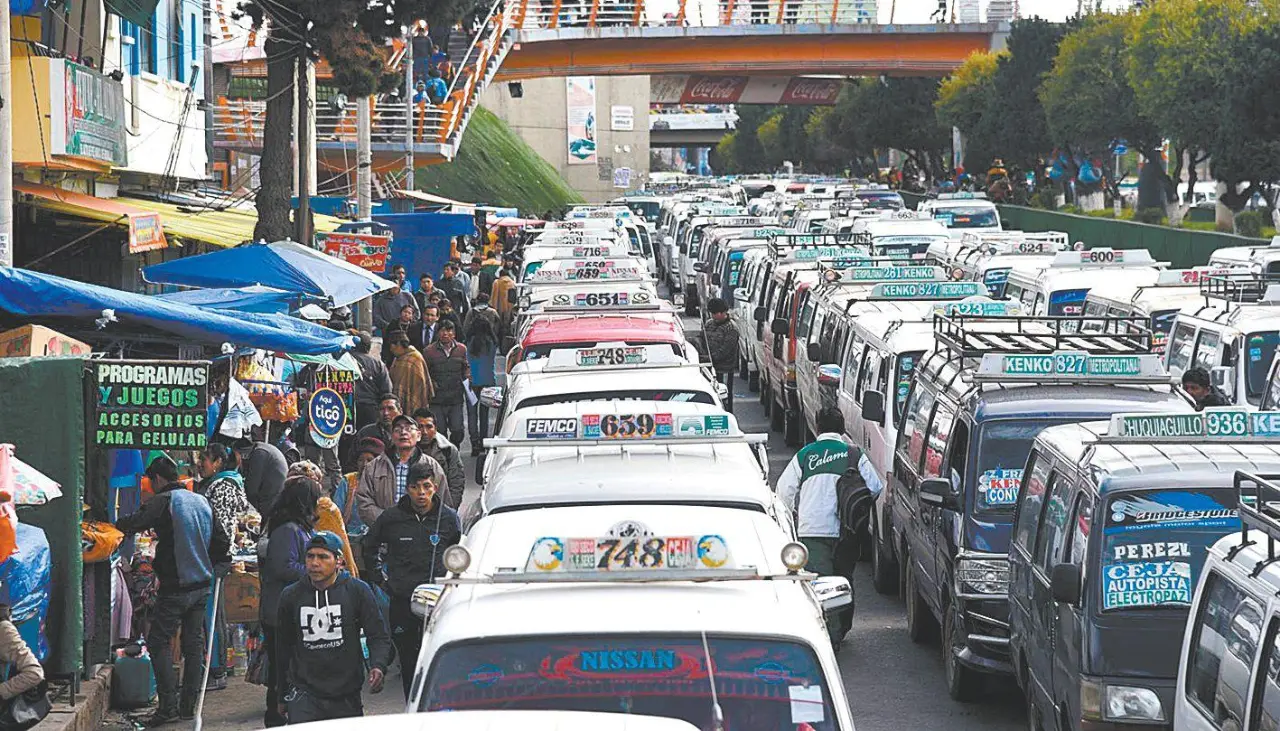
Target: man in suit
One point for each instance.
(427, 330)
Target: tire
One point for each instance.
(1034, 721)
(742, 368)
(963, 683)
(791, 427)
(777, 415)
(753, 380)
(690, 302)
(884, 572)
(921, 626)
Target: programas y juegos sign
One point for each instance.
(151, 404)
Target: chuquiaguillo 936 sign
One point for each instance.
(151, 404)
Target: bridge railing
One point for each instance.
(238, 123)
(472, 75)
(555, 14)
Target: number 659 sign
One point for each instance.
(327, 412)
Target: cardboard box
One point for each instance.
(240, 597)
(37, 340)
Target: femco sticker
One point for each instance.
(551, 428)
(1000, 486)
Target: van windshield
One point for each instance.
(1155, 541)
(995, 279)
(1067, 302)
(637, 394)
(1260, 348)
(1003, 446)
(975, 217)
(761, 684)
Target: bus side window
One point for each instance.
(849, 376)
(1027, 522)
(1180, 346)
(1266, 691)
(1081, 524)
(1224, 638)
(870, 364)
(1206, 353)
(1053, 524)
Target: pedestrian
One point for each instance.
(401, 278)
(1199, 386)
(410, 378)
(483, 333)
(374, 381)
(263, 466)
(426, 285)
(437, 89)
(223, 487)
(367, 450)
(424, 333)
(448, 314)
(386, 309)
(453, 286)
(328, 516)
(405, 324)
(450, 369)
(464, 277)
(25, 671)
(420, 96)
(474, 280)
(721, 337)
(382, 482)
(290, 525)
(434, 445)
(321, 619)
(808, 488)
(405, 548)
(498, 297)
(191, 549)
(422, 48)
(388, 410)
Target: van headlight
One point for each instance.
(1101, 702)
(982, 576)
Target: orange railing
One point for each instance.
(552, 14)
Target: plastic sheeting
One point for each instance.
(26, 577)
(46, 297)
(263, 300)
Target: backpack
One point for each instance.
(854, 500)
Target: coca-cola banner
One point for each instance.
(679, 89)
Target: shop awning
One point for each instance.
(145, 228)
(432, 199)
(228, 227)
(264, 300)
(46, 298)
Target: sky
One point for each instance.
(917, 11)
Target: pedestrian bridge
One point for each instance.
(523, 39)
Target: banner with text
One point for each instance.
(151, 404)
(712, 90)
(580, 98)
(366, 251)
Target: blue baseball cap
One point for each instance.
(328, 540)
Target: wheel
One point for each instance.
(690, 301)
(742, 368)
(1034, 721)
(764, 393)
(963, 683)
(884, 573)
(791, 427)
(777, 416)
(753, 380)
(920, 623)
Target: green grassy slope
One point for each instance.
(494, 166)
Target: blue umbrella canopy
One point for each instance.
(283, 265)
(263, 300)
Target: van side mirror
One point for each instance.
(814, 352)
(760, 314)
(829, 375)
(684, 248)
(699, 266)
(834, 592)
(1224, 378)
(779, 326)
(425, 598)
(1064, 583)
(715, 278)
(936, 492)
(741, 295)
(873, 407)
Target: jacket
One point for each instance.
(225, 492)
(455, 289)
(378, 485)
(448, 371)
(318, 637)
(386, 309)
(447, 455)
(264, 471)
(411, 381)
(284, 564)
(722, 344)
(421, 334)
(25, 671)
(329, 517)
(1215, 397)
(498, 297)
(374, 381)
(408, 548)
(481, 329)
(810, 478)
(189, 542)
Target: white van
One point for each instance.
(1060, 289)
(961, 212)
(1256, 259)
(1175, 291)
(900, 234)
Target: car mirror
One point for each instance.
(779, 326)
(1064, 583)
(873, 407)
(425, 598)
(1223, 377)
(684, 248)
(722, 391)
(936, 492)
(833, 592)
(741, 295)
(699, 266)
(813, 351)
(715, 278)
(760, 315)
(491, 396)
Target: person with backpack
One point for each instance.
(482, 330)
(809, 487)
(26, 675)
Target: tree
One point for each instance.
(897, 113)
(1088, 101)
(771, 140)
(351, 35)
(1014, 107)
(964, 99)
(1245, 146)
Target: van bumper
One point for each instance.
(987, 636)
(1117, 726)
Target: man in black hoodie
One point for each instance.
(318, 638)
(405, 548)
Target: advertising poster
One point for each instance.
(342, 383)
(151, 404)
(580, 95)
(367, 251)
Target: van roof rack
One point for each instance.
(1259, 509)
(1241, 287)
(971, 336)
(786, 245)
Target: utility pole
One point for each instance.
(6, 141)
(306, 152)
(364, 159)
(408, 105)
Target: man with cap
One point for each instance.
(721, 337)
(321, 663)
(191, 548)
(385, 480)
(405, 548)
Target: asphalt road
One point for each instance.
(892, 684)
